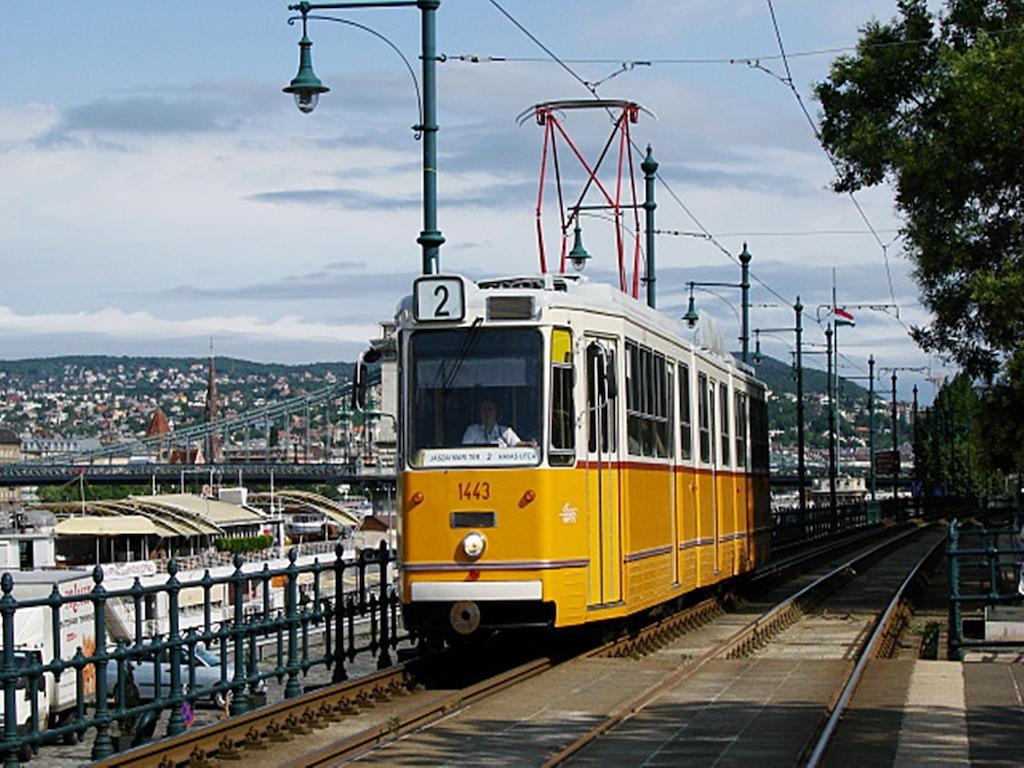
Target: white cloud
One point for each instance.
(119, 324)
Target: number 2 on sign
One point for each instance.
(475, 491)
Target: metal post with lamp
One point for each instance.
(691, 317)
(797, 329)
(306, 87)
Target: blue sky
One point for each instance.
(159, 189)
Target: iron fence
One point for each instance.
(984, 567)
(352, 603)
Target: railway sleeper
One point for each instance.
(254, 739)
(293, 725)
(274, 732)
(198, 758)
(228, 750)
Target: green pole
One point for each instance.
(430, 238)
(895, 442)
(175, 723)
(801, 465)
(745, 301)
(830, 387)
(103, 745)
(955, 614)
(239, 697)
(650, 167)
(8, 606)
(292, 688)
(871, 424)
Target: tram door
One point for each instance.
(603, 518)
(670, 389)
(713, 416)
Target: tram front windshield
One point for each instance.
(474, 388)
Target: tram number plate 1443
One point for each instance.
(439, 299)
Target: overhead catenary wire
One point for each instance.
(592, 89)
(788, 82)
(475, 58)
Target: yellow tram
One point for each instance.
(567, 456)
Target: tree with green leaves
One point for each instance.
(935, 106)
(951, 439)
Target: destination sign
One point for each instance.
(439, 299)
(479, 457)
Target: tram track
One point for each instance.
(758, 634)
(393, 703)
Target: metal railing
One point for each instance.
(989, 560)
(791, 526)
(283, 606)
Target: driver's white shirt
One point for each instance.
(478, 434)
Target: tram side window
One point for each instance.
(704, 418)
(685, 424)
(758, 435)
(646, 402)
(563, 422)
(741, 429)
(723, 399)
(599, 409)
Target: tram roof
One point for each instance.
(578, 292)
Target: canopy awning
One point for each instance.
(294, 502)
(122, 525)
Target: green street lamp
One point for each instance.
(798, 330)
(691, 317)
(306, 87)
(578, 255)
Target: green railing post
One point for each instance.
(176, 723)
(383, 555)
(339, 674)
(292, 688)
(239, 698)
(955, 615)
(103, 746)
(7, 608)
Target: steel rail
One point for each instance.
(224, 738)
(643, 640)
(884, 632)
(365, 741)
(754, 634)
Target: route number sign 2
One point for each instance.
(439, 299)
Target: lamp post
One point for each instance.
(871, 420)
(307, 87)
(831, 423)
(650, 167)
(895, 424)
(797, 328)
(691, 317)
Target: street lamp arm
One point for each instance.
(700, 287)
(418, 128)
(307, 7)
(712, 284)
(775, 330)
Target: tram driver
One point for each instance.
(489, 432)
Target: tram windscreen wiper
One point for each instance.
(472, 335)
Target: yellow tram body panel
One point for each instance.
(567, 457)
(543, 532)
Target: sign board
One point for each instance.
(438, 299)
(887, 463)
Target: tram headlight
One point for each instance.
(474, 545)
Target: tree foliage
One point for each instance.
(952, 443)
(935, 105)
